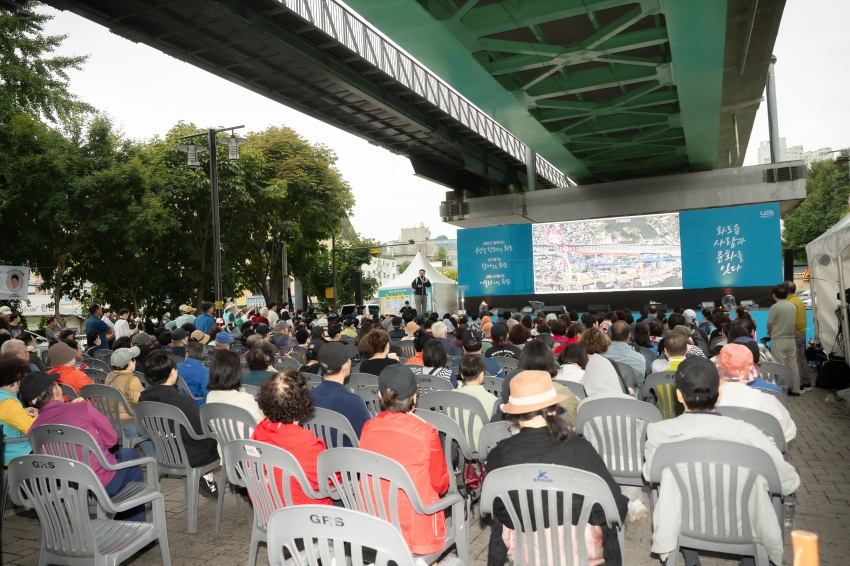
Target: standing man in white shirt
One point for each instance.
(122, 327)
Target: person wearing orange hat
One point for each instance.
(546, 438)
(735, 363)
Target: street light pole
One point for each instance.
(217, 292)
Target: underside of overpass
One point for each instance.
(321, 59)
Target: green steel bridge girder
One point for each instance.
(590, 82)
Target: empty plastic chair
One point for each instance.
(226, 423)
(101, 353)
(107, 400)
(331, 427)
(453, 434)
(617, 429)
(575, 388)
(463, 409)
(660, 389)
(317, 532)
(266, 471)
(162, 421)
(765, 422)
(96, 374)
(725, 468)
(430, 383)
(359, 475)
(490, 436)
(57, 489)
(357, 381)
(776, 373)
(372, 397)
(408, 350)
(4, 484)
(628, 372)
(523, 480)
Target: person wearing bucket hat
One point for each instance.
(735, 364)
(123, 379)
(698, 389)
(185, 316)
(402, 436)
(545, 437)
(64, 357)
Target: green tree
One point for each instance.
(351, 255)
(32, 79)
(450, 272)
(404, 265)
(827, 189)
(442, 256)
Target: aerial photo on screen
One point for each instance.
(609, 254)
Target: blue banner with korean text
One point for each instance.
(731, 247)
(496, 260)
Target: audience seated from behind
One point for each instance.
(620, 351)
(285, 401)
(698, 389)
(735, 364)
(226, 381)
(440, 330)
(546, 438)
(399, 434)
(40, 390)
(643, 339)
(332, 395)
(63, 357)
(161, 372)
(675, 348)
(472, 375)
(260, 360)
(15, 419)
(397, 331)
(472, 343)
(312, 356)
(519, 335)
(434, 362)
(601, 378)
(501, 348)
(194, 373)
(420, 338)
(740, 333)
(374, 350)
(573, 361)
(124, 380)
(537, 356)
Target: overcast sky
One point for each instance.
(146, 92)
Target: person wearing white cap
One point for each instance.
(123, 379)
(185, 316)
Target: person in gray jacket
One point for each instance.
(698, 389)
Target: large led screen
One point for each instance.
(609, 254)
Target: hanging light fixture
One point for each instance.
(232, 144)
(192, 152)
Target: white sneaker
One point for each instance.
(637, 511)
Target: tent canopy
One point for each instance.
(829, 266)
(412, 272)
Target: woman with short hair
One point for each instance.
(434, 360)
(285, 401)
(15, 419)
(375, 351)
(261, 363)
(573, 359)
(226, 381)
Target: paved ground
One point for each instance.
(821, 453)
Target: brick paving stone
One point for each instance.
(820, 452)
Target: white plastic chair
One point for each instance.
(107, 401)
(463, 409)
(372, 397)
(765, 422)
(575, 388)
(490, 436)
(331, 427)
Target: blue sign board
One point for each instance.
(496, 260)
(731, 247)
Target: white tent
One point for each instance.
(829, 271)
(442, 295)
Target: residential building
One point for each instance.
(793, 153)
(402, 250)
(381, 268)
(764, 151)
(818, 155)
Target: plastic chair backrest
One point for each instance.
(765, 422)
(778, 394)
(66, 442)
(331, 427)
(617, 430)
(281, 363)
(506, 363)
(226, 422)
(44, 357)
(253, 390)
(512, 372)
(97, 375)
(254, 465)
(161, 422)
(716, 458)
(575, 387)
(776, 373)
(463, 409)
(452, 433)
(534, 482)
(300, 353)
(408, 349)
(357, 381)
(661, 386)
(493, 385)
(101, 354)
(491, 435)
(107, 400)
(430, 383)
(628, 373)
(69, 391)
(372, 397)
(647, 353)
(57, 488)
(143, 379)
(318, 534)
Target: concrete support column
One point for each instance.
(531, 168)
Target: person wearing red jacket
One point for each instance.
(399, 434)
(285, 400)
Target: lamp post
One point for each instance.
(192, 152)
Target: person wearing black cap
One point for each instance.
(398, 434)
(472, 342)
(500, 347)
(332, 395)
(698, 389)
(312, 355)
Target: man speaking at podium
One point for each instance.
(420, 290)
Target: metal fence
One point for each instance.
(347, 28)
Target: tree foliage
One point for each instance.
(442, 256)
(827, 190)
(403, 265)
